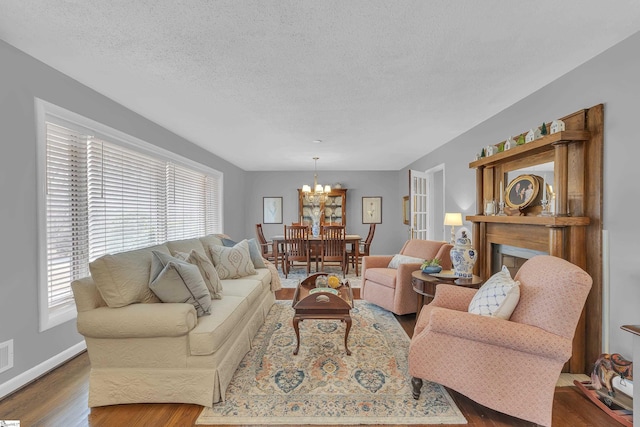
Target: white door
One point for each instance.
(418, 203)
(427, 203)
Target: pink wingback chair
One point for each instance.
(391, 288)
(512, 365)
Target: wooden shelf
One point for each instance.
(538, 146)
(550, 221)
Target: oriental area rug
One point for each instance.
(322, 385)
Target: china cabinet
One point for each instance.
(334, 208)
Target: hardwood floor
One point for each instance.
(59, 399)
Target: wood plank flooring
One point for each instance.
(59, 399)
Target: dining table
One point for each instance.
(350, 239)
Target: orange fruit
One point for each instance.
(334, 282)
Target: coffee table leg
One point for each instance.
(297, 329)
(347, 320)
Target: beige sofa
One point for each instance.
(142, 350)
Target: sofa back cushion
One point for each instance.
(123, 278)
(186, 246)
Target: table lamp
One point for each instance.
(453, 219)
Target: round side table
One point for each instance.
(425, 284)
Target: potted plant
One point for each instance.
(431, 266)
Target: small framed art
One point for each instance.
(405, 210)
(272, 210)
(372, 210)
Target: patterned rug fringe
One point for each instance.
(322, 385)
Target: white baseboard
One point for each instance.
(26, 377)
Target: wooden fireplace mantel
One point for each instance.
(574, 232)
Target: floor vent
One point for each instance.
(6, 355)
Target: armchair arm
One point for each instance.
(138, 321)
(375, 261)
(498, 332)
(453, 297)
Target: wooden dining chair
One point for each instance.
(267, 248)
(363, 249)
(296, 247)
(333, 247)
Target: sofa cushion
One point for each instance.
(498, 297)
(256, 254)
(123, 278)
(207, 270)
(246, 287)
(232, 263)
(186, 246)
(212, 331)
(173, 280)
(383, 276)
(404, 259)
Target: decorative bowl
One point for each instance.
(432, 269)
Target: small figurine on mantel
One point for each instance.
(557, 126)
(491, 150)
(520, 140)
(532, 135)
(543, 129)
(509, 143)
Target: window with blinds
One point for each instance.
(103, 197)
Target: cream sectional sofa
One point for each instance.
(142, 350)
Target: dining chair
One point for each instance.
(267, 248)
(364, 249)
(333, 246)
(296, 247)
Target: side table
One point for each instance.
(425, 284)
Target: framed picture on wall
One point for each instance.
(405, 210)
(272, 210)
(372, 210)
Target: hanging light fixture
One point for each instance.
(316, 194)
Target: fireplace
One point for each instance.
(512, 257)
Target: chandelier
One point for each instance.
(316, 194)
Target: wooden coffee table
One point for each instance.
(322, 305)
(425, 284)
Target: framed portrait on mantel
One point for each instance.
(372, 210)
(522, 191)
(272, 210)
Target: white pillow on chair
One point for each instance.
(498, 297)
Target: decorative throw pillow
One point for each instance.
(207, 270)
(256, 254)
(228, 242)
(498, 297)
(404, 259)
(173, 280)
(232, 263)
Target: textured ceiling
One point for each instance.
(256, 82)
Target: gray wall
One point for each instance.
(612, 79)
(22, 79)
(389, 235)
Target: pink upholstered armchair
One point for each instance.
(391, 288)
(512, 365)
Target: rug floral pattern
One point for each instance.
(298, 274)
(322, 385)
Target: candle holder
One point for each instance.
(545, 207)
(501, 209)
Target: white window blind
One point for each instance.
(67, 212)
(107, 197)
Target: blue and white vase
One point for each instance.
(315, 228)
(463, 257)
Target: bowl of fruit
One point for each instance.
(431, 266)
